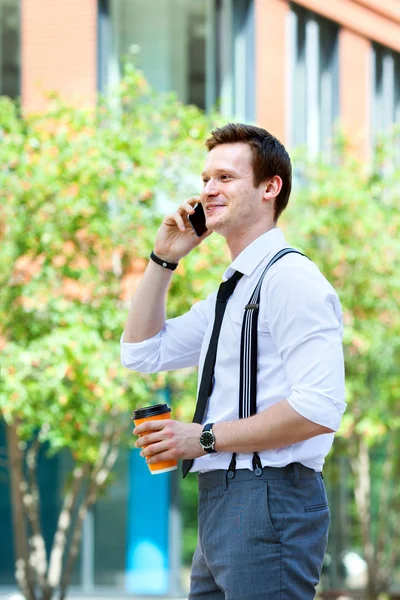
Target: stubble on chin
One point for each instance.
(216, 225)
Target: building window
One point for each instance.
(314, 80)
(235, 57)
(104, 48)
(9, 48)
(166, 40)
(204, 50)
(386, 89)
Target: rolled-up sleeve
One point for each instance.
(178, 345)
(305, 322)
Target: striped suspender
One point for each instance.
(248, 359)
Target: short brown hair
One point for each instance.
(269, 156)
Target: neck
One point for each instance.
(239, 240)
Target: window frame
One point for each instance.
(3, 92)
(313, 72)
(385, 92)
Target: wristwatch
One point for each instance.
(207, 439)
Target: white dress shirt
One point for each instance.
(300, 355)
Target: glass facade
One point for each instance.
(204, 51)
(167, 40)
(6, 545)
(9, 48)
(234, 57)
(385, 89)
(314, 80)
(109, 528)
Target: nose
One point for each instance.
(211, 188)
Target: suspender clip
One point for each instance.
(232, 467)
(257, 465)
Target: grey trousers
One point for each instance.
(260, 538)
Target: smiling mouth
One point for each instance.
(212, 207)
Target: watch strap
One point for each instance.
(208, 427)
(163, 263)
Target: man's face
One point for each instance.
(231, 202)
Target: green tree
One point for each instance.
(82, 191)
(81, 196)
(345, 216)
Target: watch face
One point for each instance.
(207, 439)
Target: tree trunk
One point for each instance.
(31, 559)
(64, 526)
(387, 508)
(392, 523)
(98, 479)
(31, 501)
(23, 571)
(361, 467)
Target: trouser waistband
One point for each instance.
(292, 472)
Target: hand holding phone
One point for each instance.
(198, 220)
(174, 239)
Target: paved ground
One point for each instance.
(15, 595)
(72, 597)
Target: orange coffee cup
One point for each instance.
(155, 413)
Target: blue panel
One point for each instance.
(147, 570)
(6, 537)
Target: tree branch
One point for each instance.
(393, 558)
(361, 468)
(384, 504)
(31, 499)
(392, 526)
(98, 478)
(65, 523)
(23, 570)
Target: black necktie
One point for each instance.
(225, 291)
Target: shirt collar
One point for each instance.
(261, 248)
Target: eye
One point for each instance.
(205, 181)
(225, 176)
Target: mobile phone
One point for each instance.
(198, 220)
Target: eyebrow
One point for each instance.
(230, 170)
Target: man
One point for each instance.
(263, 513)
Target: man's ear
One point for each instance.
(272, 187)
